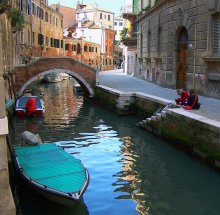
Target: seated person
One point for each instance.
(192, 101)
(183, 97)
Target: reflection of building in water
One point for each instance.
(129, 174)
(61, 105)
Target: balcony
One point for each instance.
(130, 40)
(129, 16)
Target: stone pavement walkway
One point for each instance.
(118, 80)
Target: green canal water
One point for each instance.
(131, 171)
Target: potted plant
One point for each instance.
(17, 19)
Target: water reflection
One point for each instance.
(60, 109)
(131, 171)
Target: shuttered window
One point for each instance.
(216, 34)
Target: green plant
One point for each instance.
(147, 8)
(17, 18)
(123, 33)
(156, 1)
(139, 13)
(4, 6)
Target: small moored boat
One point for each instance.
(52, 172)
(29, 106)
(52, 78)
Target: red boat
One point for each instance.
(29, 106)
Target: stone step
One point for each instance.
(163, 114)
(158, 116)
(148, 120)
(153, 118)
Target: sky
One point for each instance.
(108, 5)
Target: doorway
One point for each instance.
(182, 56)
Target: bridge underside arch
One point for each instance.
(87, 89)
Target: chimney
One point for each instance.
(58, 7)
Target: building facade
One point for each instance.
(93, 13)
(69, 15)
(42, 32)
(179, 45)
(118, 27)
(82, 50)
(129, 37)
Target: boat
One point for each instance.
(64, 75)
(52, 78)
(29, 106)
(52, 172)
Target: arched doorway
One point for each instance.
(182, 56)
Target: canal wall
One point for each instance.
(193, 133)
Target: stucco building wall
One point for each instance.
(160, 36)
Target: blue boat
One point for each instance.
(21, 106)
(52, 172)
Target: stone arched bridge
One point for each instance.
(86, 75)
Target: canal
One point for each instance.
(131, 171)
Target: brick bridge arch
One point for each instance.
(86, 75)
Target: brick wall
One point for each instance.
(25, 72)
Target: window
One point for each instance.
(33, 40)
(22, 37)
(66, 47)
(108, 17)
(216, 34)
(33, 9)
(20, 6)
(38, 12)
(159, 41)
(78, 48)
(28, 7)
(141, 44)
(149, 43)
(61, 23)
(100, 15)
(85, 48)
(46, 17)
(116, 23)
(120, 23)
(47, 41)
(40, 39)
(56, 43)
(51, 42)
(29, 37)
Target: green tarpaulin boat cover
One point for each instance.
(51, 166)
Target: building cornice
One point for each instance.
(153, 8)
